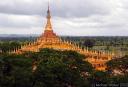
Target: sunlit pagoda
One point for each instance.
(49, 39)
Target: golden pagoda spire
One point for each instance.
(48, 25)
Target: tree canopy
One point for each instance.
(54, 69)
(119, 64)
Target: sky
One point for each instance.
(69, 17)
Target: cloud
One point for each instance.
(23, 7)
(20, 21)
(69, 17)
(62, 8)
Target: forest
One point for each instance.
(62, 68)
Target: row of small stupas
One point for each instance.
(50, 40)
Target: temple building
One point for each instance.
(49, 39)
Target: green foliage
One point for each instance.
(118, 79)
(9, 46)
(54, 69)
(120, 64)
(89, 43)
(99, 77)
(60, 69)
(15, 71)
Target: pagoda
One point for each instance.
(49, 39)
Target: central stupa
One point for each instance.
(49, 36)
(48, 32)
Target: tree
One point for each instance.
(118, 70)
(16, 71)
(9, 46)
(54, 69)
(89, 43)
(60, 69)
(99, 77)
(119, 64)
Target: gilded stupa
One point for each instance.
(50, 40)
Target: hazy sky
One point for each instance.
(69, 17)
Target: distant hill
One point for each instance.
(18, 35)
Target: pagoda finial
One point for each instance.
(48, 25)
(48, 6)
